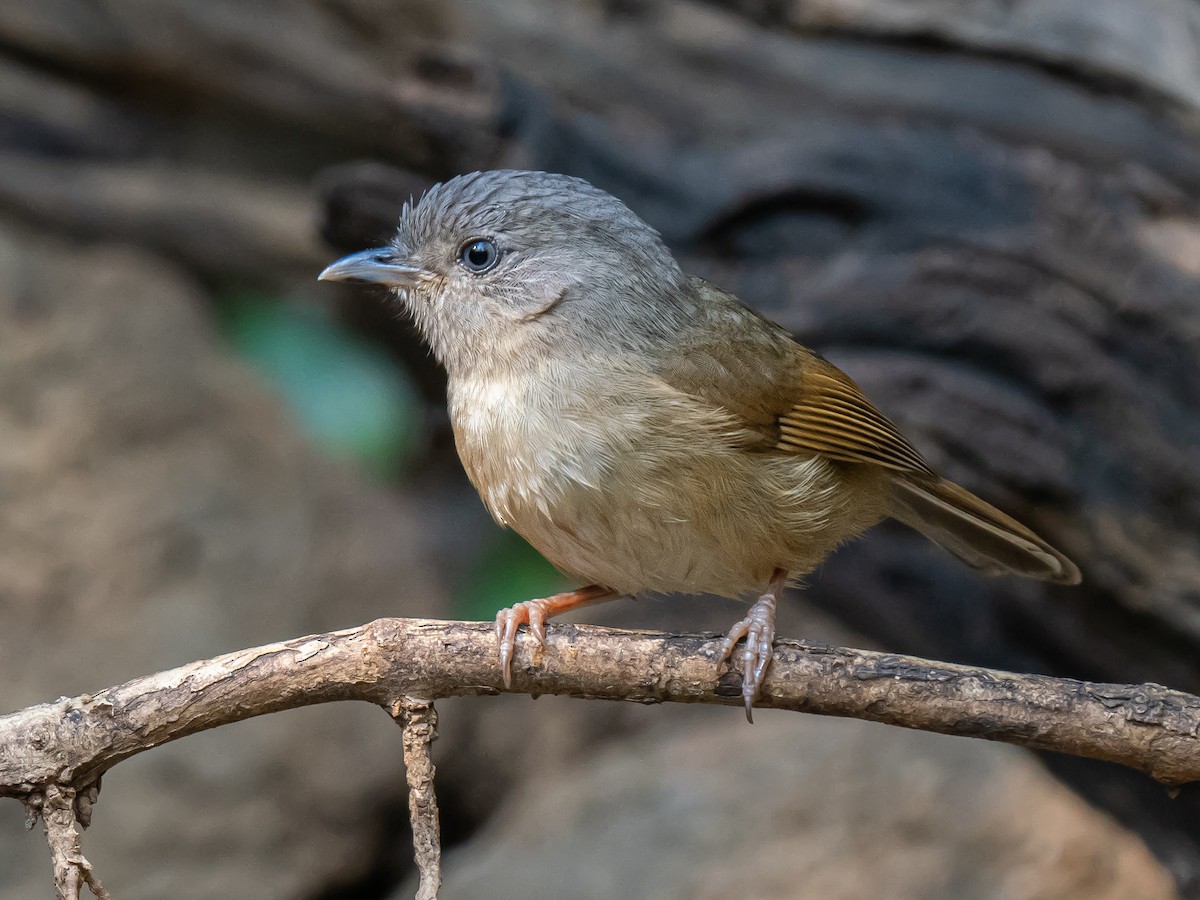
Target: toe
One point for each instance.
(736, 633)
(507, 622)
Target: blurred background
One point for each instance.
(985, 211)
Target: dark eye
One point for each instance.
(479, 255)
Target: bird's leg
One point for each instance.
(758, 628)
(536, 612)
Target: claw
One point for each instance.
(537, 623)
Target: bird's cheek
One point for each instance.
(531, 308)
(535, 295)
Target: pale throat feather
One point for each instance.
(513, 448)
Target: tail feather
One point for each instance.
(976, 532)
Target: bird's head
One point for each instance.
(493, 263)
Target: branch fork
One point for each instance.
(52, 755)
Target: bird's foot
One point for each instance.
(508, 620)
(535, 613)
(758, 628)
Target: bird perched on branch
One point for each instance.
(644, 429)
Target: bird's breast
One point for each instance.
(621, 480)
(524, 445)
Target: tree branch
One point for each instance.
(69, 743)
(419, 721)
(60, 810)
(52, 755)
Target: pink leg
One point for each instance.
(758, 628)
(536, 612)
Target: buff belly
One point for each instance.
(699, 514)
(658, 535)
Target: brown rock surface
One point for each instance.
(157, 508)
(700, 806)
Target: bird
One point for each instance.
(643, 428)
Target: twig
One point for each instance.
(418, 718)
(57, 807)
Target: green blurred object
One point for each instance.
(507, 571)
(350, 397)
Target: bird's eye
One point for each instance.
(479, 255)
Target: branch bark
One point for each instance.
(61, 809)
(418, 718)
(71, 742)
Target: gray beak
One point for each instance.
(378, 266)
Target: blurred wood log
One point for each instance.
(1147, 45)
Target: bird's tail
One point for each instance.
(976, 532)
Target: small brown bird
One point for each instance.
(644, 429)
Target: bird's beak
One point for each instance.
(378, 266)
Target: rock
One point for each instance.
(158, 508)
(701, 806)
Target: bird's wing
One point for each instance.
(790, 399)
(830, 416)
